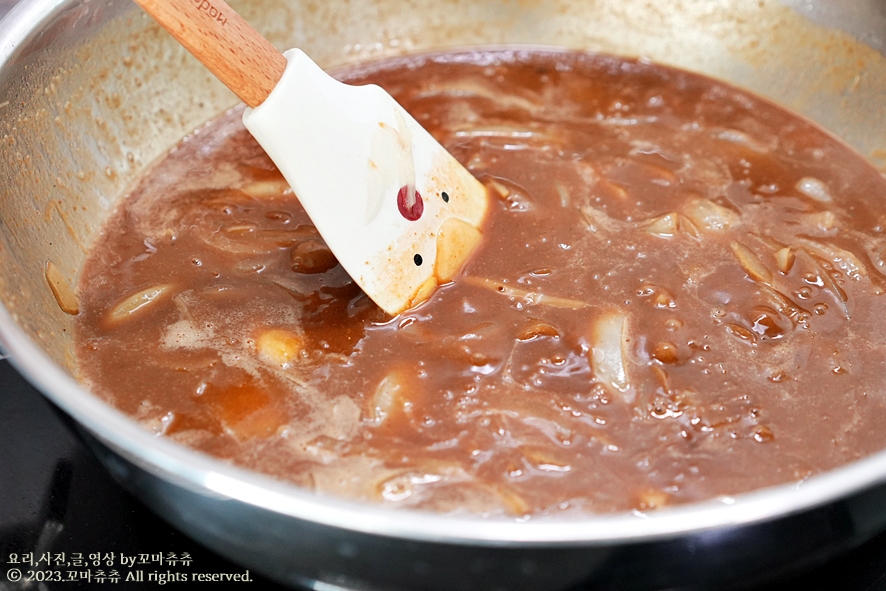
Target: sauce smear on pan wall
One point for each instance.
(680, 295)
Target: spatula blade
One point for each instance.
(400, 213)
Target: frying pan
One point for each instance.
(91, 92)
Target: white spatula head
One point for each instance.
(398, 211)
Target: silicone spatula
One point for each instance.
(399, 212)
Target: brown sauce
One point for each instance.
(679, 296)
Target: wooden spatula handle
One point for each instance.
(226, 44)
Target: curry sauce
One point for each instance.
(679, 295)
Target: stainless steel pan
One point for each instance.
(91, 92)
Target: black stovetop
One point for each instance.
(56, 498)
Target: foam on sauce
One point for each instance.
(679, 296)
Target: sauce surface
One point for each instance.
(679, 296)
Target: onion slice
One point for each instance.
(608, 351)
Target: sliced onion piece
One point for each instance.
(528, 298)
(814, 189)
(513, 502)
(388, 396)
(537, 329)
(821, 221)
(266, 189)
(612, 190)
(842, 259)
(597, 219)
(664, 226)
(500, 190)
(246, 239)
(659, 174)
(608, 355)
(784, 258)
(707, 215)
(689, 227)
(138, 303)
(752, 264)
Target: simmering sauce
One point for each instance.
(679, 296)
